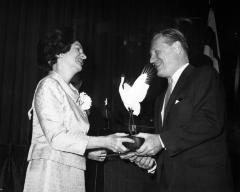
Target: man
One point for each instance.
(190, 146)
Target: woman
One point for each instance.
(60, 123)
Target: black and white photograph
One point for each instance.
(119, 96)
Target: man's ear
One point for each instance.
(177, 46)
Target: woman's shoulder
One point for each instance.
(48, 85)
(49, 82)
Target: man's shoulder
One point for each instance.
(205, 72)
(205, 69)
(204, 76)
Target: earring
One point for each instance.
(60, 55)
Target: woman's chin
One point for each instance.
(80, 66)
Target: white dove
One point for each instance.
(133, 95)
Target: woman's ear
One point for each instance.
(60, 55)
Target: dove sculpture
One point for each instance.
(133, 95)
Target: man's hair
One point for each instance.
(172, 35)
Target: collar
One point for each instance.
(177, 74)
(68, 88)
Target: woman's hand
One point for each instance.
(115, 141)
(97, 155)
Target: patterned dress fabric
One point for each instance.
(48, 176)
(59, 138)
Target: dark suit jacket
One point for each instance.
(195, 158)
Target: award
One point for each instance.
(131, 97)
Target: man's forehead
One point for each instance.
(158, 42)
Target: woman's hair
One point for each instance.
(54, 42)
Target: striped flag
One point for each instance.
(211, 48)
(237, 79)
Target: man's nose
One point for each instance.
(152, 59)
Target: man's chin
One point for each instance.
(160, 74)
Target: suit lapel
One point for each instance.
(181, 81)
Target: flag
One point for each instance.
(211, 48)
(237, 79)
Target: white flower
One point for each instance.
(85, 101)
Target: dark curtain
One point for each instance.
(115, 36)
(108, 38)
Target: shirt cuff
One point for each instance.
(163, 146)
(153, 169)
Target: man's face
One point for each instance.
(164, 57)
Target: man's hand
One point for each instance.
(131, 156)
(144, 162)
(115, 142)
(151, 146)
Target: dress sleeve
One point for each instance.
(49, 106)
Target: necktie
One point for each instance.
(168, 92)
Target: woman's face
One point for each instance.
(75, 56)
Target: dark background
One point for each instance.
(115, 36)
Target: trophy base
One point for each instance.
(136, 145)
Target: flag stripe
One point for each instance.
(208, 50)
(212, 24)
(237, 75)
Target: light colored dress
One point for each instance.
(59, 140)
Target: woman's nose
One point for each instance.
(83, 56)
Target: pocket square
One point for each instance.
(178, 100)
